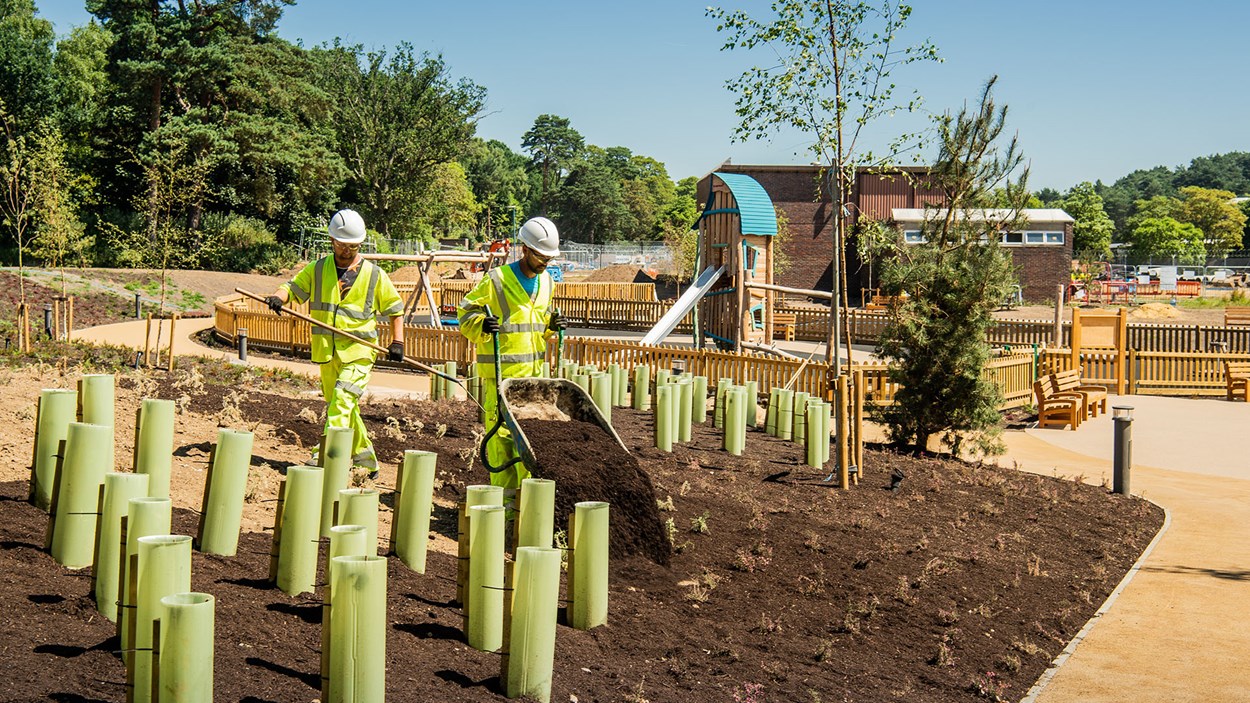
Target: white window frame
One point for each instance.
(914, 236)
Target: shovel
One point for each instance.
(301, 316)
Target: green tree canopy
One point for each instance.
(1093, 228)
(1213, 211)
(499, 182)
(553, 146)
(1165, 237)
(26, 82)
(396, 118)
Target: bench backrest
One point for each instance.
(1044, 388)
(1236, 368)
(784, 318)
(1236, 316)
(1066, 380)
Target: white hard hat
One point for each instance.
(539, 234)
(347, 226)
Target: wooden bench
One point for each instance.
(883, 302)
(1239, 317)
(1069, 382)
(783, 325)
(1237, 377)
(1055, 409)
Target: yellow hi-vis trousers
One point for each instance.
(500, 449)
(342, 384)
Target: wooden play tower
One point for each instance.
(736, 232)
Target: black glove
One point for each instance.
(275, 304)
(490, 325)
(395, 352)
(557, 323)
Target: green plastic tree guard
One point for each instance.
(485, 626)
(718, 409)
(96, 406)
(359, 506)
(163, 568)
(449, 388)
(699, 398)
(661, 378)
(345, 541)
(583, 381)
(620, 386)
(335, 458)
(223, 493)
(119, 488)
(588, 565)
(799, 433)
(826, 418)
(77, 498)
(642, 388)
(185, 659)
(601, 393)
(57, 408)
(532, 636)
(814, 448)
(770, 417)
(785, 413)
(735, 425)
(685, 401)
(436, 384)
(414, 496)
(296, 531)
(536, 517)
(154, 444)
(482, 494)
(357, 630)
(145, 517)
(663, 417)
(753, 394)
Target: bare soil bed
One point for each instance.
(961, 584)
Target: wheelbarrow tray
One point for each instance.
(547, 399)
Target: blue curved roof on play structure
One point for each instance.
(755, 208)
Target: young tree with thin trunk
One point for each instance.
(829, 77)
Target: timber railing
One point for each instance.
(1178, 373)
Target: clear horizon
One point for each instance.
(1093, 92)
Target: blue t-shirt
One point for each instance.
(529, 284)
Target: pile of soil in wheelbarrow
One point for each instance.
(587, 463)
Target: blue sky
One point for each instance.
(1095, 89)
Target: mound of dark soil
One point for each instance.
(587, 464)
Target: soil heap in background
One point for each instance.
(587, 464)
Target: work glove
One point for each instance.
(557, 323)
(490, 325)
(275, 304)
(395, 352)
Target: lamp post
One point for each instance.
(1122, 456)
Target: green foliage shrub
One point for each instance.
(242, 245)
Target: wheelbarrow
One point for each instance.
(539, 399)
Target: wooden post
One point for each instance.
(173, 321)
(69, 320)
(291, 333)
(1057, 334)
(147, 341)
(844, 456)
(462, 555)
(858, 427)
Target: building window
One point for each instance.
(1017, 238)
(1035, 237)
(913, 236)
(1054, 237)
(1013, 238)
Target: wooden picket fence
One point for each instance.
(1178, 373)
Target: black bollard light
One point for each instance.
(138, 308)
(47, 319)
(1122, 456)
(241, 335)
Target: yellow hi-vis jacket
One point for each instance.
(523, 321)
(356, 311)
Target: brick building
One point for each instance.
(800, 194)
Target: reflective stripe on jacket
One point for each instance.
(523, 323)
(371, 295)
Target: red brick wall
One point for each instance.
(1040, 269)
